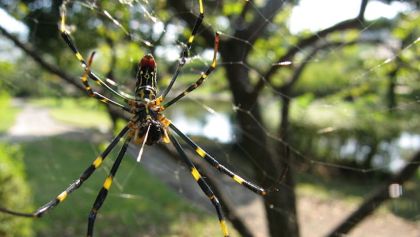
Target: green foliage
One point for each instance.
(14, 192)
(328, 75)
(8, 112)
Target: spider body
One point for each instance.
(146, 78)
(148, 123)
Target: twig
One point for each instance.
(376, 198)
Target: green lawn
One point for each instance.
(8, 113)
(14, 192)
(138, 204)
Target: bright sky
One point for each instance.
(310, 14)
(10, 23)
(319, 14)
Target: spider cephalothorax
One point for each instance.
(146, 78)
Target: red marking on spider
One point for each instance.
(148, 61)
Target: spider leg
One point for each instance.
(203, 185)
(95, 94)
(75, 185)
(66, 37)
(202, 77)
(106, 186)
(212, 161)
(185, 51)
(121, 89)
(100, 199)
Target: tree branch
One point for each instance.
(297, 72)
(377, 198)
(362, 10)
(38, 59)
(51, 68)
(261, 21)
(354, 23)
(240, 20)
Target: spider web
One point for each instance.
(211, 115)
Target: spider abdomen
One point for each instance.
(155, 133)
(148, 126)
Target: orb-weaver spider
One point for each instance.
(147, 125)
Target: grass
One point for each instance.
(8, 113)
(138, 203)
(13, 181)
(81, 112)
(7, 118)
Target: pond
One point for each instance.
(215, 121)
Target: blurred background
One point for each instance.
(317, 101)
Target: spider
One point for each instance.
(147, 125)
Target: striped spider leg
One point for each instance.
(76, 184)
(86, 65)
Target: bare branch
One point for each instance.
(377, 198)
(355, 23)
(240, 20)
(362, 10)
(297, 72)
(38, 59)
(261, 21)
(51, 68)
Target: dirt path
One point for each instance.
(35, 122)
(316, 216)
(319, 216)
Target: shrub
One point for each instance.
(14, 192)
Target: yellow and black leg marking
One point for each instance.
(196, 25)
(185, 51)
(212, 161)
(203, 185)
(66, 37)
(75, 185)
(95, 94)
(106, 186)
(202, 77)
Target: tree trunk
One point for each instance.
(279, 205)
